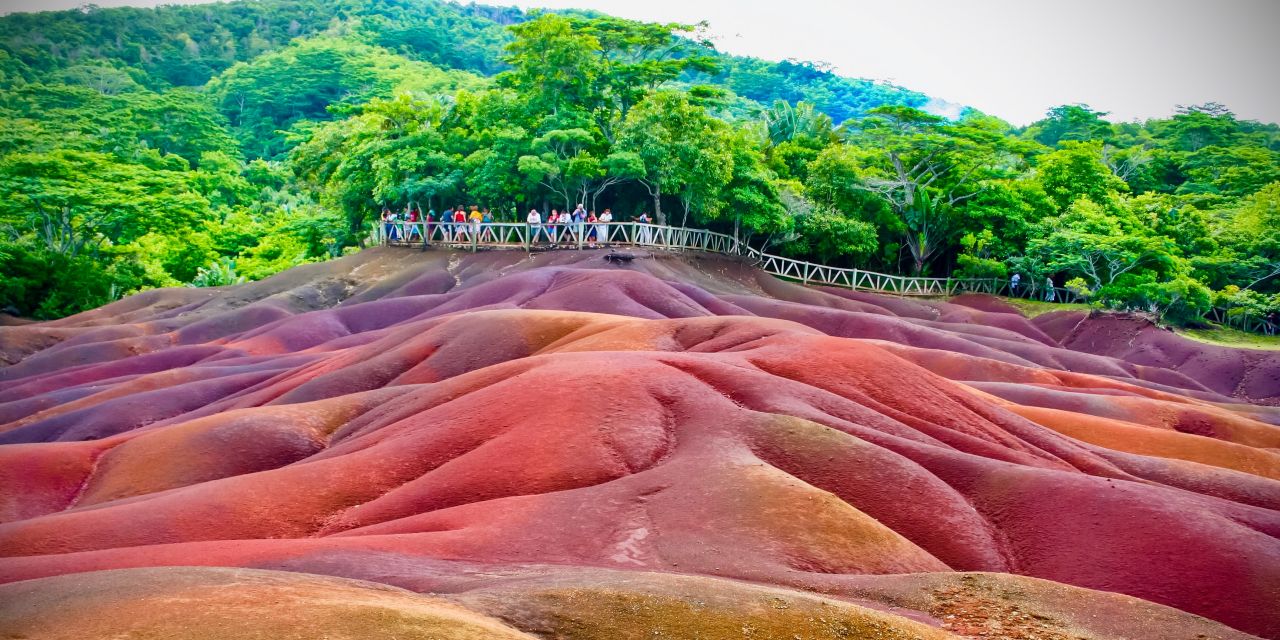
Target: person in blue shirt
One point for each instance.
(579, 220)
(446, 224)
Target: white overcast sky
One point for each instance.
(1011, 58)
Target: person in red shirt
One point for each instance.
(415, 216)
(459, 223)
(553, 219)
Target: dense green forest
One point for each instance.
(205, 144)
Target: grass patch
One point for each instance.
(1029, 308)
(1219, 335)
(1228, 337)
(1033, 308)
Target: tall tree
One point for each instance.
(555, 66)
(923, 167)
(684, 150)
(1070, 122)
(565, 164)
(1077, 171)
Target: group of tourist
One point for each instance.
(457, 222)
(460, 224)
(579, 226)
(1050, 294)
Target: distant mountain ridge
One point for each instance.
(188, 45)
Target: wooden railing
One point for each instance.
(1238, 318)
(513, 235)
(510, 235)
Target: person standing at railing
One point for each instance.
(1013, 285)
(476, 218)
(592, 229)
(554, 227)
(534, 220)
(602, 230)
(402, 222)
(1049, 294)
(389, 225)
(411, 223)
(445, 223)
(579, 219)
(552, 219)
(459, 224)
(486, 219)
(644, 235)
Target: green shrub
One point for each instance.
(968, 266)
(42, 284)
(1179, 300)
(218, 274)
(1079, 286)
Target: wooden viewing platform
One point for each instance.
(525, 237)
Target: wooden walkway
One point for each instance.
(509, 235)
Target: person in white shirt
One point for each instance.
(602, 229)
(566, 226)
(644, 234)
(534, 221)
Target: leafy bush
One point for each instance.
(968, 266)
(218, 274)
(1179, 300)
(828, 235)
(1246, 302)
(42, 284)
(1078, 286)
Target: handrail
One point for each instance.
(513, 235)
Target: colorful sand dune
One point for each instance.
(434, 445)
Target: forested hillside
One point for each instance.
(204, 144)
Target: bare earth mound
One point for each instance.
(453, 446)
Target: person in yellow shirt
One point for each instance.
(475, 217)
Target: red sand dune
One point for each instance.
(558, 447)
